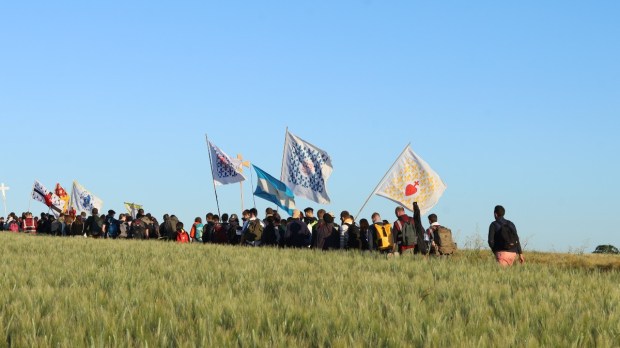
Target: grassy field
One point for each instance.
(83, 292)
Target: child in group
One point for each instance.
(182, 235)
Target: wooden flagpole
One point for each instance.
(243, 164)
(252, 183)
(217, 201)
(30, 200)
(4, 189)
(283, 158)
(381, 182)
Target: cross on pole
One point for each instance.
(242, 164)
(4, 188)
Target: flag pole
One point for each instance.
(380, 182)
(283, 154)
(217, 201)
(30, 200)
(252, 183)
(71, 202)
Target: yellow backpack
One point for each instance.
(383, 236)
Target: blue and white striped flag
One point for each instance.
(305, 169)
(273, 190)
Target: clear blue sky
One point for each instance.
(514, 103)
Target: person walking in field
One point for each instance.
(29, 224)
(381, 234)
(441, 238)
(94, 224)
(504, 240)
(182, 235)
(253, 232)
(111, 225)
(402, 221)
(297, 234)
(196, 231)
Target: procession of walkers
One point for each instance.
(325, 231)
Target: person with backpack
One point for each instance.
(29, 224)
(269, 237)
(253, 233)
(195, 233)
(381, 234)
(12, 224)
(404, 236)
(207, 229)
(309, 218)
(153, 227)
(94, 224)
(325, 235)
(139, 227)
(220, 235)
(504, 240)
(234, 230)
(111, 225)
(182, 235)
(297, 234)
(123, 226)
(353, 235)
(441, 236)
(170, 227)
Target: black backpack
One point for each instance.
(269, 236)
(506, 237)
(354, 241)
(207, 232)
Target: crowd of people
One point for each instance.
(406, 235)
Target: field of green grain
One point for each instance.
(81, 292)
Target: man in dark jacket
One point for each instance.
(504, 240)
(323, 232)
(297, 233)
(94, 224)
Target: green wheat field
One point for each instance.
(67, 292)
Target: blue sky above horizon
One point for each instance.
(510, 103)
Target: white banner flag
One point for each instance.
(226, 170)
(305, 169)
(412, 180)
(42, 194)
(83, 200)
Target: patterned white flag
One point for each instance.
(50, 199)
(305, 169)
(83, 200)
(412, 180)
(226, 170)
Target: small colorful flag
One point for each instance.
(275, 191)
(63, 196)
(305, 169)
(412, 180)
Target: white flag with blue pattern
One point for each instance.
(305, 169)
(83, 200)
(225, 169)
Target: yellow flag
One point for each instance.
(412, 180)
